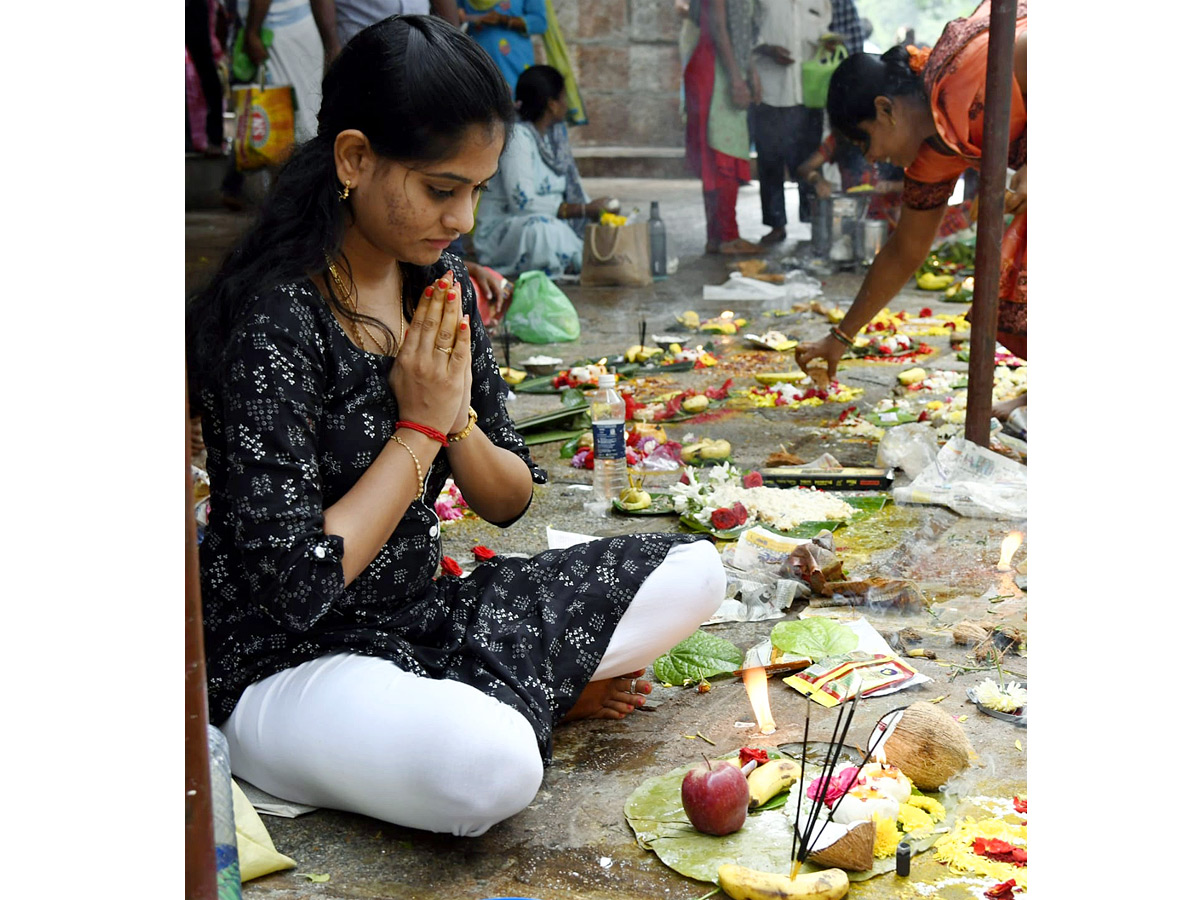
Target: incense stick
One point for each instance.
(871, 747)
(507, 363)
(642, 342)
(807, 843)
(803, 760)
(823, 787)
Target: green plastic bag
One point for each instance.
(540, 313)
(816, 73)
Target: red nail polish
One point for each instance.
(428, 292)
(462, 326)
(443, 284)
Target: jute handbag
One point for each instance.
(616, 255)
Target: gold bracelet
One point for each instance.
(416, 462)
(459, 435)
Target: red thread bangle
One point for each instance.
(425, 430)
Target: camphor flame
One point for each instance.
(727, 314)
(756, 689)
(1008, 547)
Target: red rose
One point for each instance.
(482, 553)
(1021, 806)
(752, 480)
(741, 512)
(926, 312)
(723, 519)
(450, 567)
(752, 753)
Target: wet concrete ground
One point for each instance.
(574, 841)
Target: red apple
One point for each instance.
(715, 797)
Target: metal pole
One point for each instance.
(200, 855)
(997, 106)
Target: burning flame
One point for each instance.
(756, 688)
(1008, 547)
(881, 756)
(728, 314)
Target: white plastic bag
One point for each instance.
(972, 481)
(911, 447)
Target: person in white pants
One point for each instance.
(357, 733)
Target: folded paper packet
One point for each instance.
(257, 855)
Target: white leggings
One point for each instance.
(358, 733)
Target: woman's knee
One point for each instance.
(492, 776)
(707, 572)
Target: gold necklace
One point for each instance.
(348, 297)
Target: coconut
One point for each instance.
(853, 850)
(888, 780)
(861, 803)
(969, 633)
(928, 746)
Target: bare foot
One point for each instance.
(611, 698)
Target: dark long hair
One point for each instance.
(413, 85)
(536, 87)
(860, 79)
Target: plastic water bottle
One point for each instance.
(229, 879)
(610, 472)
(658, 243)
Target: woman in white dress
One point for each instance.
(535, 211)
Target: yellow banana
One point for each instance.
(770, 778)
(741, 883)
(927, 281)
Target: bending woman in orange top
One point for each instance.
(924, 111)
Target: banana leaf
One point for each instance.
(546, 437)
(563, 415)
(655, 813)
(865, 504)
(540, 385)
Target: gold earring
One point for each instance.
(345, 192)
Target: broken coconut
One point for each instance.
(928, 745)
(853, 850)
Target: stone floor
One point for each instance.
(573, 841)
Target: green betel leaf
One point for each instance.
(702, 655)
(814, 637)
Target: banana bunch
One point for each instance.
(707, 448)
(633, 498)
(770, 778)
(741, 883)
(776, 377)
(927, 281)
(512, 376)
(639, 353)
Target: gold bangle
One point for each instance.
(459, 435)
(416, 462)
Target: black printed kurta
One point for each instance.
(300, 415)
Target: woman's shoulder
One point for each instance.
(293, 308)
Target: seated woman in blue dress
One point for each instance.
(535, 212)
